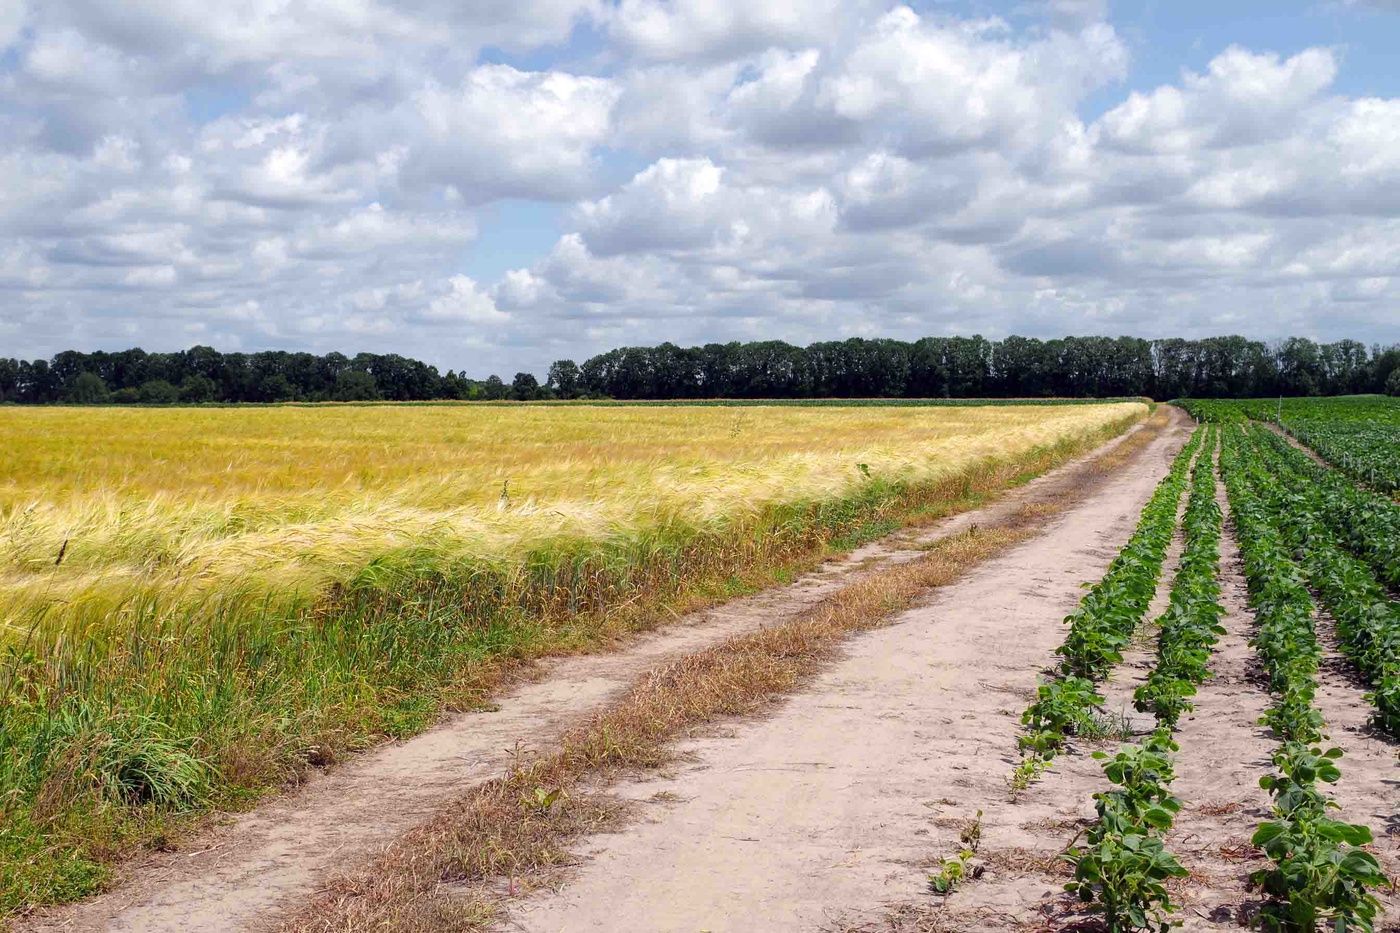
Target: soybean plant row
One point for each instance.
(1319, 873)
(1101, 626)
(1123, 868)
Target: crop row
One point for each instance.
(1124, 866)
(1319, 873)
(1111, 611)
(1367, 620)
(1365, 522)
(1101, 625)
(1190, 626)
(1358, 435)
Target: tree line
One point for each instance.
(933, 367)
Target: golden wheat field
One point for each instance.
(196, 604)
(293, 498)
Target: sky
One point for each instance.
(495, 184)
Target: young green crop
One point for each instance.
(1123, 868)
(1359, 435)
(1319, 871)
(1190, 627)
(1101, 625)
(1113, 608)
(1367, 619)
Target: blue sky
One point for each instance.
(494, 185)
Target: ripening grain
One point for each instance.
(292, 498)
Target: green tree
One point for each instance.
(87, 389)
(525, 387)
(355, 385)
(198, 389)
(277, 388)
(157, 392)
(1392, 385)
(565, 379)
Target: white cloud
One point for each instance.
(509, 133)
(13, 14)
(678, 29)
(1243, 99)
(466, 302)
(326, 176)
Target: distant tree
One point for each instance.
(157, 392)
(1384, 361)
(278, 388)
(1392, 385)
(1301, 369)
(9, 380)
(198, 389)
(495, 388)
(525, 387)
(355, 385)
(455, 386)
(565, 379)
(87, 389)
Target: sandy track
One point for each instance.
(242, 875)
(840, 799)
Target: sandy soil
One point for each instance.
(1224, 752)
(243, 874)
(1140, 657)
(840, 800)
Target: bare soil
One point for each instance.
(247, 873)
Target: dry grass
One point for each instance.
(447, 874)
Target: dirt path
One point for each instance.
(1295, 443)
(838, 800)
(242, 875)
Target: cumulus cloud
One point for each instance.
(466, 302)
(679, 29)
(509, 133)
(338, 176)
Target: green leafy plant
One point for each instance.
(1319, 872)
(961, 866)
(1123, 868)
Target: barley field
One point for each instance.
(195, 603)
